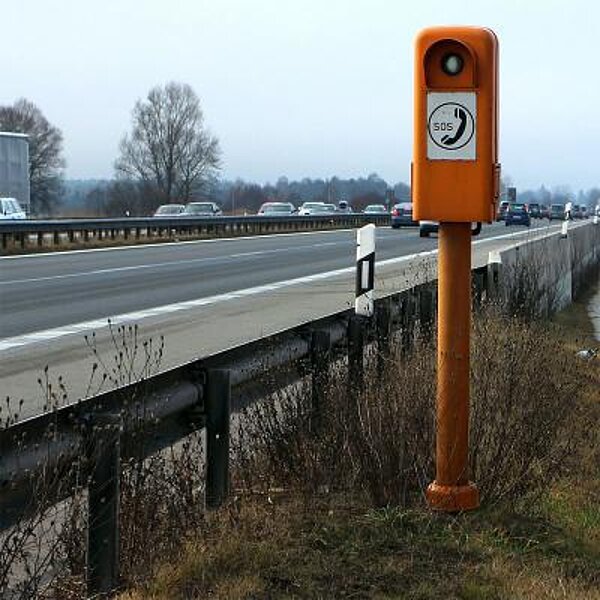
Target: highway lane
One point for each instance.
(43, 292)
(54, 290)
(81, 285)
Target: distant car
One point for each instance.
(534, 210)
(557, 212)
(277, 209)
(577, 213)
(375, 209)
(344, 207)
(322, 210)
(544, 211)
(428, 227)
(517, 214)
(169, 210)
(402, 214)
(502, 210)
(202, 209)
(309, 208)
(10, 209)
(585, 213)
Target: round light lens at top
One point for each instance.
(452, 64)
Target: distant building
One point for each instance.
(14, 168)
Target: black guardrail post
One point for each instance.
(383, 316)
(103, 505)
(407, 310)
(494, 281)
(320, 346)
(426, 311)
(218, 410)
(479, 285)
(356, 344)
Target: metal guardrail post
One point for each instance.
(320, 346)
(356, 343)
(103, 506)
(218, 410)
(426, 311)
(383, 318)
(494, 275)
(406, 320)
(479, 286)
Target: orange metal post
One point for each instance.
(452, 491)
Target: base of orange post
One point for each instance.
(453, 498)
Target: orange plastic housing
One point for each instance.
(450, 185)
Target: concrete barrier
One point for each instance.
(547, 271)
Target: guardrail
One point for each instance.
(33, 234)
(175, 403)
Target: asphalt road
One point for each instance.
(54, 290)
(202, 296)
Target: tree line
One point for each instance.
(170, 156)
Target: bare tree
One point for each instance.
(169, 147)
(46, 162)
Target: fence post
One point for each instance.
(218, 410)
(103, 506)
(320, 345)
(356, 342)
(383, 318)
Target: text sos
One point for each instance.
(443, 126)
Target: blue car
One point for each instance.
(517, 214)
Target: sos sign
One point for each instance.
(455, 174)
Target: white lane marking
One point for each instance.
(59, 332)
(175, 262)
(167, 244)
(193, 260)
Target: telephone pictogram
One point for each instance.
(460, 114)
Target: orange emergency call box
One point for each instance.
(455, 171)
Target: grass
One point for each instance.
(335, 545)
(259, 550)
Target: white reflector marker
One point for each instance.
(365, 270)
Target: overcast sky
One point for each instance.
(301, 88)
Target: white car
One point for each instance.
(202, 209)
(276, 209)
(312, 208)
(11, 209)
(169, 210)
